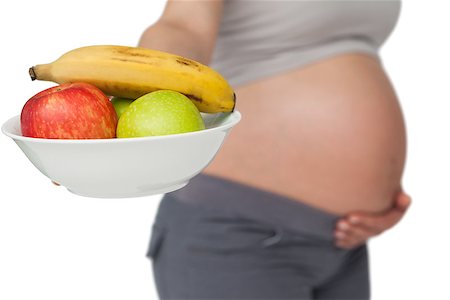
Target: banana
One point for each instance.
(131, 72)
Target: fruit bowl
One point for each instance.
(125, 167)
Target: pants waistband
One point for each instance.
(218, 193)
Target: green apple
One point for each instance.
(161, 112)
(120, 104)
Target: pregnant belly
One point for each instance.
(330, 135)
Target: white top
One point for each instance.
(257, 39)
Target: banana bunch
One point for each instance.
(130, 72)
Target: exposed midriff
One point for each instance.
(330, 134)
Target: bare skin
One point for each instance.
(332, 139)
(356, 227)
(330, 134)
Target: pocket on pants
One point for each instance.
(229, 234)
(156, 241)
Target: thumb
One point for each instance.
(394, 215)
(403, 201)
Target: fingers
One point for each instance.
(349, 236)
(356, 228)
(349, 243)
(372, 223)
(377, 223)
(55, 183)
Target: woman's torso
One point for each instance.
(328, 131)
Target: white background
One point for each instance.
(55, 245)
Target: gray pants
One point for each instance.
(215, 239)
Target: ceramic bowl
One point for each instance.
(125, 167)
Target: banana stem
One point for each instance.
(40, 72)
(32, 73)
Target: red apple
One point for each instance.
(69, 111)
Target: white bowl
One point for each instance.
(125, 167)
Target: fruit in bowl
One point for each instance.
(69, 111)
(120, 105)
(161, 112)
(131, 72)
(185, 112)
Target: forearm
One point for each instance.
(171, 38)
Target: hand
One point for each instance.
(356, 228)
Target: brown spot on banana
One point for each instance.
(195, 98)
(133, 51)
(133, 61)
(206, 107)
(129, 51)
(187, 62)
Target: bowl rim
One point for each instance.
(232, 119)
